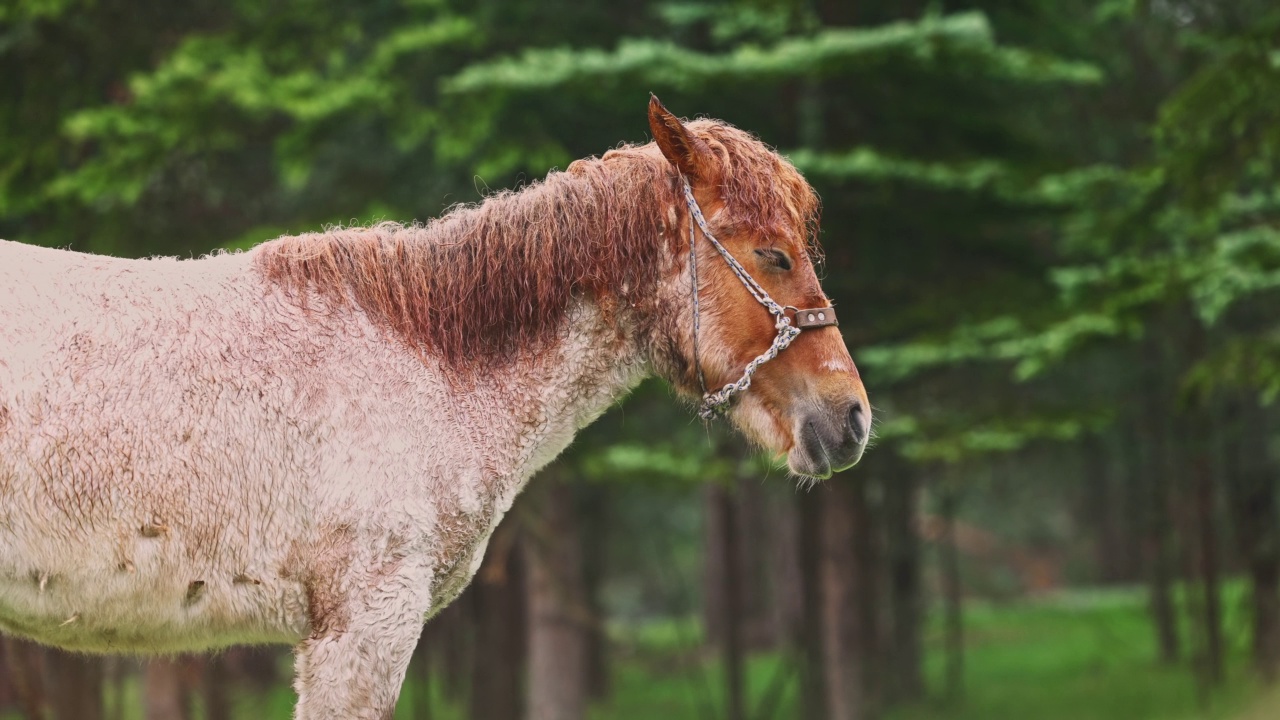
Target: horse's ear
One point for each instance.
(687, 152)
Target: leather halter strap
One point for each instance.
(816, 317)
(715, 403)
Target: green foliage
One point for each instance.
(1000, 339)
(1236, 266)
(212, 91)
(981, 176)
(1190, 226)
(763, 21)
(948, 440)
(18, 11)
(962, 42)
(1249, 364)
(627, 459)
(1221, 130)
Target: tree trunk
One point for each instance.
(867, 553)
(949, 557)
(715, 556)
(23, 664)
(595, 518)
(1100, 510)
(216, 688)
(1161, 578)
(846, 694)
(450, 641)
(813, 694)
(75, 685)
(118, 676)
(724, 519)
(1158, 478)
(162, 695)
(422, 675)
(762, 555)
(497, 617)
(558, 614)
(1126, 446)
(1264, 591)
(1210, 580)
(1251, 488)
(906, 650)
(761, 534)
(1199, 430)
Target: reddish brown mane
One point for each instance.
(486, 283)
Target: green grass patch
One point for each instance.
(1077, 656)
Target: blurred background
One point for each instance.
(1052, 228)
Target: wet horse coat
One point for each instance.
(311, 442)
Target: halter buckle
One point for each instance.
(816, 317)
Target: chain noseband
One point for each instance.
(715, 403)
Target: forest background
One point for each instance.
(1052, 228)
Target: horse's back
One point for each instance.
(128, 482)
(40, 288)
(44, 290)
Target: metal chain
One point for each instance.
(714, 404)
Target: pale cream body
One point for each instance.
(191, 459)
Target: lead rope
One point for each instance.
(693, 290)
(714, 404)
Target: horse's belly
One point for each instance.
(153, 612)
(112, 540)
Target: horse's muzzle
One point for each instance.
(827, 442)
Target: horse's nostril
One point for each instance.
(858, 422)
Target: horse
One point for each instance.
(310, 442)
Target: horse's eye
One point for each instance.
(776, 258)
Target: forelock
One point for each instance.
(762, 191)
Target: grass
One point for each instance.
(1265, 707)
(1080, 656)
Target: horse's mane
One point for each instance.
(489, 282)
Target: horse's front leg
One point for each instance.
(352, 665)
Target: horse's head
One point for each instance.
(808, 401)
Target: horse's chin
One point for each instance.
(820, 450)
(817, 467)
(802, 464)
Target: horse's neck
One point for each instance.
(526, 413)
(477, 439)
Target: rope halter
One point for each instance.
(716, 403)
